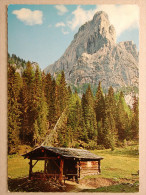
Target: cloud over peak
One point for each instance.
(29, 17)
(61, 9)
(60, 24)
(123, 17)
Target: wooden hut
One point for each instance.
(65, 163)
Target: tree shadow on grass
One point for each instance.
(26, 185)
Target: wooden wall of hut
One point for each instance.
(53, 166)
(89, 168)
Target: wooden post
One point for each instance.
(45, 166)
(30, 168)
(77, 166)
(99, 166)
(79, 169)
(61, 170)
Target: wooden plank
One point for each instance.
(44, 158)
(99, 166)
(61, 170)
(45, 166)
(30, 168)
(91, 169)
(34, 164)
(79, 169)
(84, 167)
(72, 174)
(53, 174)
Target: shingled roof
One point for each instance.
(67, 153)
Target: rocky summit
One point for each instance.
(94, 56)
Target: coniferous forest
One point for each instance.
(39, 105)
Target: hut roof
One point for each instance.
(68, 153)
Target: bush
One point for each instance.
(100, 147)
(76, 145)
(92, 145)
(22, 149)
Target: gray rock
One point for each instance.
(94, 56)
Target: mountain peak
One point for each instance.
(97, 32)
(100, 14)
(93, 55)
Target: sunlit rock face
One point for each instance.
(94, 56)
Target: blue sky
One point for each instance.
(42, 33)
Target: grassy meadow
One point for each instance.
(120, 165)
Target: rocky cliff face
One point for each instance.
(94, 56)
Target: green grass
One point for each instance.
(124, 187)
(19, 167)
(120, 163)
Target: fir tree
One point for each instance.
(89, 114)
(27, 102)
(121, 116)
(14, 120)
(100, 112)
(99, 104)
(135, 120)
(109, 128)
(63, 92)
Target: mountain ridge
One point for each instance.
(94, 56)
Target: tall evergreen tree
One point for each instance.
(89, 114)
(39, 107)
(99, 104)
(135, 120)
(63, 92)
(14, 121)
(27, 102)
(48, 88)
(100, 112)
(74, 116)
(109, 128)
(121, 122)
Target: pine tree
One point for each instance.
(48, 89)
(135, 120)
(112, 102)
(39, 106)
(42, 117)
(63, 92)
(109, 132)
(121, 123)
(36, 135)
(74, 116)
(109, 127)
(14, 120)
(100, 112)
(89, 114)
(27, 102)
(99, 104)
(52, 107)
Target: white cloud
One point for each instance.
(80, 17)
(29, 17)
(61, 9)
(65, 32)
(123, 17)
(60, 24)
